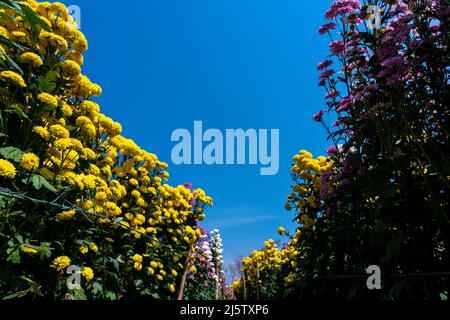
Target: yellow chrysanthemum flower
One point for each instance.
(48, 99)
(54, 40)
(137, 258)
(13, 77)
(32, 59)
(87, 273)
(75, 56)
(58, 8)
(70, 67)
(66, 215)
(41, 131)
(93, 247)
(7, 169)
(83, 249)
(61, 262)
(59, 131)
(18, 35)
(29, 161)
(281, 230)
(80, 43)
(66, 109)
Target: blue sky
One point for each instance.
(229, 63)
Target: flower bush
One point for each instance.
(269, 272)
(205, 275)
(381, 197)
(102, 202)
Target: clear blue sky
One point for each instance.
(229, 63)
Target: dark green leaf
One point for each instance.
(78, 294)
(96, 288)
(16, 295)
(39, 182)
(110, 295)
(9, 43)
(19, 112)
(47, 83)
(33, 19)
(11, 153)
(14, 256)
(13, 63)
(9, 5)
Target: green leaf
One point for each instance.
(16, 295)
(13, 63)
(3, 202)
(33, 19)
(78, 294)
(110, 295)
(97, 288)
(44, 248)
(138, 283)
(18, 111)
(14, 256)
(19, 238)
(11, 153)
(9, 5)
(115, 264)
(47, 184)
(39, 182)
(9, 43)
(155, 296)
(47, 83)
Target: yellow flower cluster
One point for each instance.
(29, 161)
(268, 262)
(32, 59)
(88, 273)
(119, 186)
(305, 196)
(7, 169)
(66, 215)
(272, 265)
(61, 262)
(13, 77)
(48, 99)
(269, 266)
(155, 269)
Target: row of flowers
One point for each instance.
(206, 277)
(381, 196)
(109, 209)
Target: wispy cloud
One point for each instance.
(238, 216)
